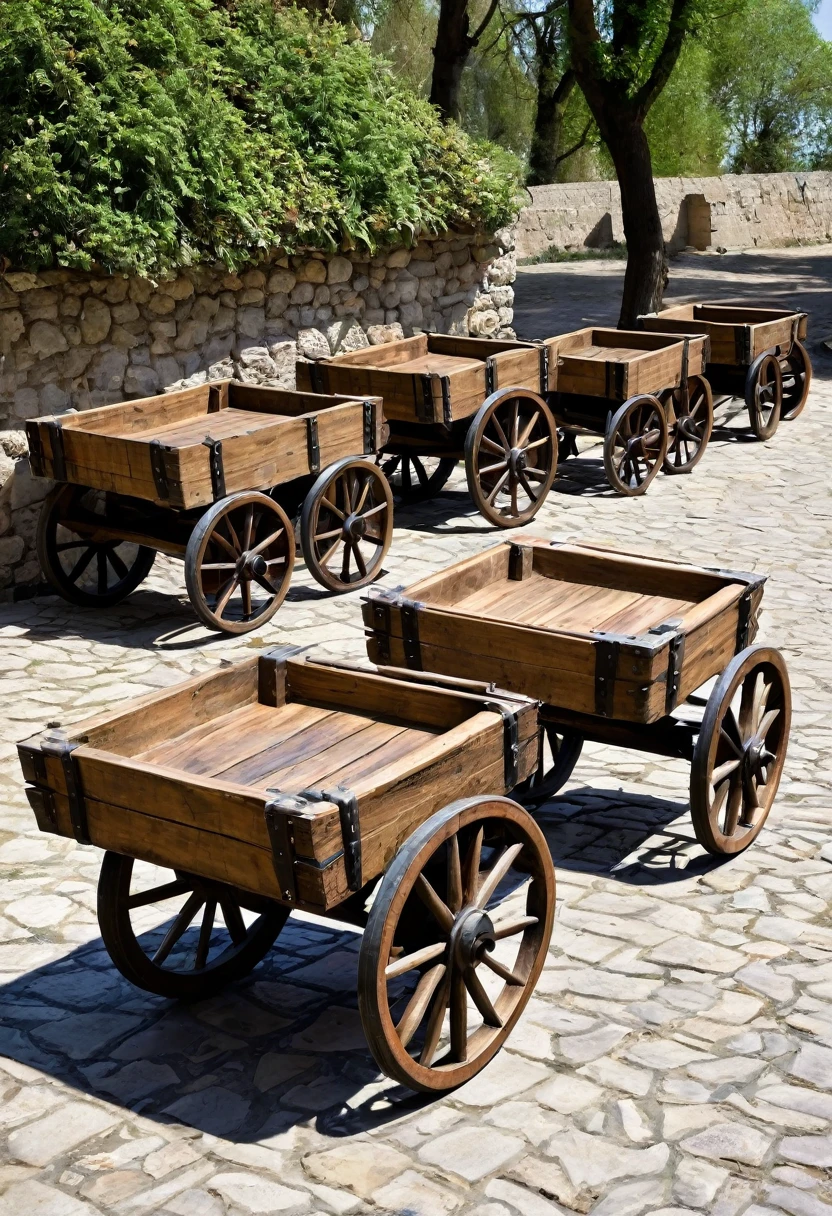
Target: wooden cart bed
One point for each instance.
(579, 627)
(431, 377)
(155, 448)
(738, 332)
(184, 778)
(617, 364)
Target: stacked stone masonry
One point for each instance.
(72, 340)
(766, 210)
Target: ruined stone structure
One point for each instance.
(72, 340)
(730, 212)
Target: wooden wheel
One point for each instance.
(434, 929)
(511, 456)
(796, 371)
(689, 427)
(560, 754)
(346, 525)
(185, 937)
(92, 571)
(415, 478)
(238, 563)
(764, 395)
(739, 754)
(635, 445)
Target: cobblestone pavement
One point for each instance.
(677, 1054)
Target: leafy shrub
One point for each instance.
(147, 134)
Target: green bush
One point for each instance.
(142, 135)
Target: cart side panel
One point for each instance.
(770, 334)
(403, 394)
(726, 341)
(462, 579)
(384, 354)
(607, 568)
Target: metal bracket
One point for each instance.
(424, 404)
(675, 659)
(615, 374)
(745, 342)
(56, 442)
(55, 743)
(158, 468)
(347, 804)
(511, 741)
(280, 827)
(215, 466)
(316, 377)
(409, 612)
(520, 558)
(35, 449)
(744, 620)
(544, 370)
(490, 376)
(369, 427)
(606, 663)
(685, 360)
(447, 413)
(313, 448)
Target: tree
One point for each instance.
(622, 69)
(771, 75)
(454, 43)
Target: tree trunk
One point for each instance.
(646, 273)
(450, 54)
(544, 152)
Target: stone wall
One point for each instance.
(71, 340)
(730, 212)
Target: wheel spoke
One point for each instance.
(497, 873)
(362, 498)
(499, 485)
(481, 999)
(417, 1005)
(537, 443)
(217, 536)
(454, 875)
(500, 433)
(101, 562)
(232, 532)
(522, 441)
(359, 560)
(723, 771)
(433, 1030)
(81, 565)
(471, 878)
(233, 918)
(459, 1018)
(418, 958)
(117, 564)
(245, 594)
(491, 468)
(421, 471)
(248, 530)
(382, 506)
(438, 909)
(509, 928)
(228, 591)
(189, 910)
(268, 542)
(266, 584)
(218, 566)
(328, 535)
(157, 894)
(765, 726)
(330, 506)
(205, 931)
(504, 973)
(491, 446)
(345, 562)
(735, 801)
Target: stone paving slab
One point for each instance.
(677, 1054)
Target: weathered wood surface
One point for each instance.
(540, 633)
(264, 434)
(182, 777)
(408, 374)
(738, 332)
(618, 364)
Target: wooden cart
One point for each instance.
(645, 393)
(282, 783)
(212, 475)
(756, 353)
(617, 648)
(448, 399)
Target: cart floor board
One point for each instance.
(222, 424)
(293, 747)
(603, 354)
(558, 604)
(441, 365)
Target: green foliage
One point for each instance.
(771, 76)
(555, 254)
(684, 128)
(146, 134)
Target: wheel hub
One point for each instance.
(253, 565)
(517, 460)
(756, 757)
(687, 428)
(355, 526)
(471, 936)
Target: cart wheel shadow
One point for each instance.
(280, 1057)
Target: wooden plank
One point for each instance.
(136, 417)
(448, 586)
(328, 766)
(607, 568)
(476, 348)
(386, 354)
(260, 768)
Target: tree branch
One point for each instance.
(678, 27)
(484, 24)
(576, 147)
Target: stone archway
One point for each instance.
(698, 221)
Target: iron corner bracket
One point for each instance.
(511, 741)
(55, 743)
(215, 466)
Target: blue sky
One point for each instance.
(823, 18)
